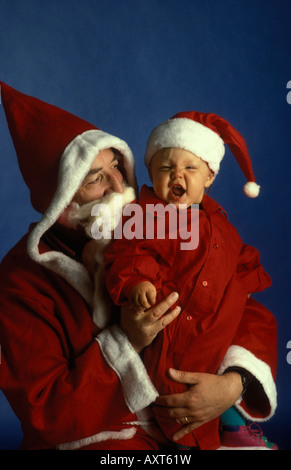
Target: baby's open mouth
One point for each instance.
(177, 191)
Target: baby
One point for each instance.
(179, 178)
(215, 279)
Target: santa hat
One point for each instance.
(55, 151)
(54, 147)
(204, 134)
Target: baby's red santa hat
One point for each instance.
(55, 151)
(203, 134)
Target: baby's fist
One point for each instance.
(143, 295)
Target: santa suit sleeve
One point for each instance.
(250, 271)
(128, 263)
(65, 380)
(254, 349)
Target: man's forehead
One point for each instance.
(103, 157)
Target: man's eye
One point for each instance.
(97, 179)
(116, 165)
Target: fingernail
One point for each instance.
(176, 310)
(174, 295)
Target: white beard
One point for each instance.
(107, 222)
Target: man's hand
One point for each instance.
(141, 327)
(207, 397)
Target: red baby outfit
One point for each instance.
(213, 282)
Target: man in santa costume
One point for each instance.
(71, 384)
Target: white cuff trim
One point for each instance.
(127, 433)
(139, 392)
(237, 356)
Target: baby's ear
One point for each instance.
(68, 217)
(210, 180)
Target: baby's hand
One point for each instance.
(143, 295)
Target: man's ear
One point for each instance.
(68, 217)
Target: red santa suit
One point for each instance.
(213, 282)
(71, 384)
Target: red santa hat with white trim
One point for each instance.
(55, 150)
(204, 134)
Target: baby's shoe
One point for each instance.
(248, 437)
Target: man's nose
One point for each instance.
(114, 185)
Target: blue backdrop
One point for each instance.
(127, 65)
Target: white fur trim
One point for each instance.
(189, 135)
(148, 423)
(251, 189)
(86, 215)
(124, 434)
(72, 271)
(139, 392)
(237, 356)
(75, 163)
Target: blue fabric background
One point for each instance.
(127, 65)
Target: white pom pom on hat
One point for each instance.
(251, 189)
(204, 134)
